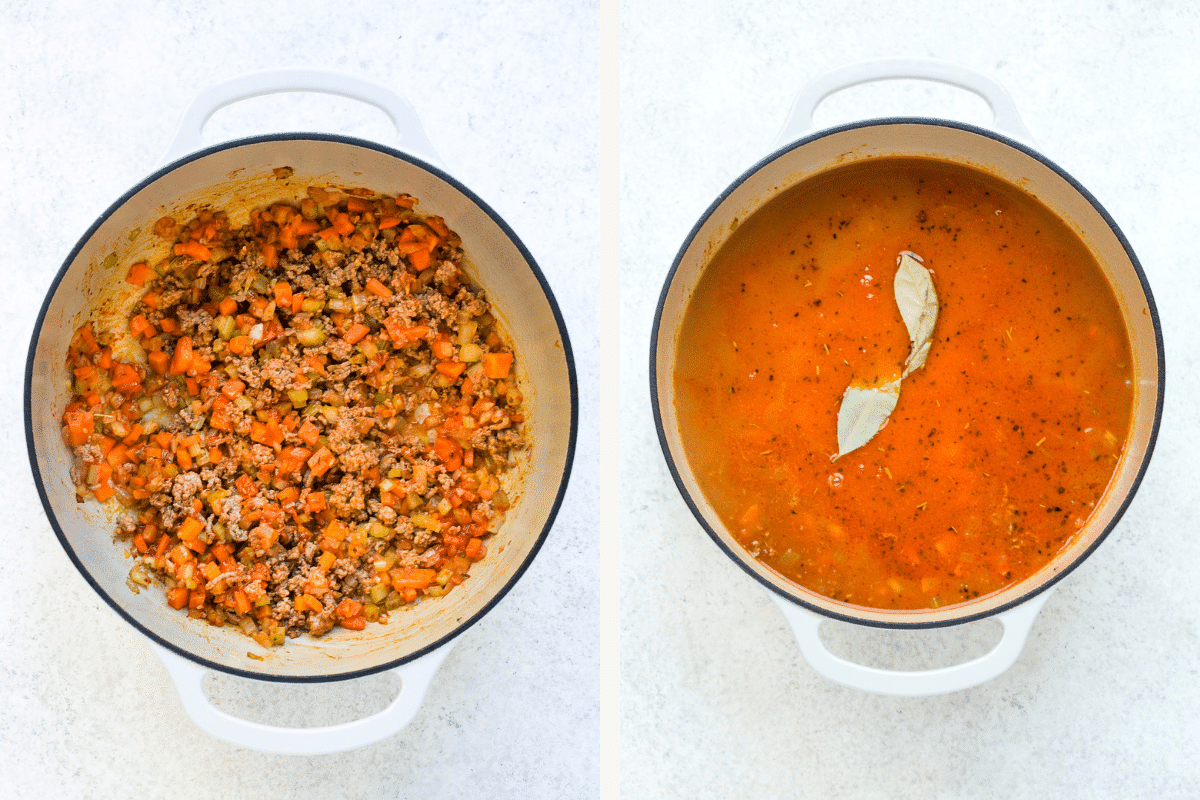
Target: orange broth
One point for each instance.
(1000, 446)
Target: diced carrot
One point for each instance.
(412, 578)
(306, 602)
(356, 332)
(321, 461)
(169, 325)
(419, 260)
(446, 448)
(283, 294)
(309, 433)
(210, 570)
(439, 226)
(475, 549)
(227, 306)
(316, 502)
(274, 434)
(196, 251)
(336, 530)
(442, 347)
(89, 340)
(79, 426)
(189, 529)
(240, 345)
(135, 433)
(139, 325)
(376, 287)
(181, 361)
(451, 369)
(223, 553)
(497, 365)
(356, 623)
(241, 603)
(183, 459)
(219, 418)
(325, 561)
(138, 274)
(160, 362)
(125, 379)
(177, 597)
(245, 485)
(388, 222)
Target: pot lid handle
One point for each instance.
(1017, 622)
(800, 120)
(412, 138)
(415, 677)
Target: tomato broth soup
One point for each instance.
(1000, 444)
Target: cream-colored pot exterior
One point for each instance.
(997, 155)
(239, 176)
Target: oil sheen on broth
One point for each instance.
(1000, 446)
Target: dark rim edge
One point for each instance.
(656, 332)
(508, 232)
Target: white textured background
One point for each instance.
(89, 96)
(1105, 699)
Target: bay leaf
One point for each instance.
(918, 304)
(864, 411)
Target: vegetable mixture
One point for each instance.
(317, 433)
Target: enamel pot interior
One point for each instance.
(239, 177)
(997, 156)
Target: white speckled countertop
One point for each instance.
(90, 95)
(1104, 701)
(715, 700)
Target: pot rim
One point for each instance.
(420, 164)
(656, 333)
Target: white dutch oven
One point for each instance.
(238, 175)
(1004, 152)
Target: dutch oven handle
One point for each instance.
(415, 677)
(1017, 622)
(412, 136)
(800, 120)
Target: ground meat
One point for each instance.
(300, 440)
(196, 322)
(185, 486)
(281, 373)
(347, 498)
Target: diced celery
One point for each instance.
(427, 522)
(225, 326)
(467, 331)
(260, 284)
